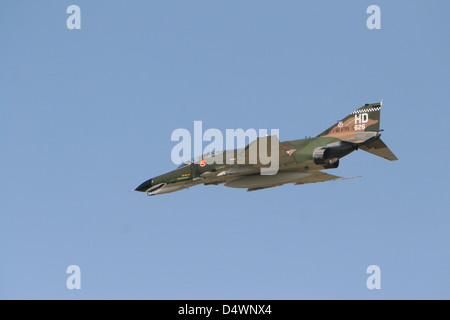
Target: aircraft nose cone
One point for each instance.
(144, 186)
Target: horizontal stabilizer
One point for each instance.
(378, 148)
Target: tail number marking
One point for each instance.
(360, 120)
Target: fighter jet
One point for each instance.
(299, 161)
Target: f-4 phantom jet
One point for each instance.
(299, 161)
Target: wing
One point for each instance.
(258, 152)
(308, 177)
(319, 176)
(248, 161)
(259, 188)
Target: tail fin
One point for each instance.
(364, 119)
(362, 128)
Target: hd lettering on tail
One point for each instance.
(360, 121)
(246, 309)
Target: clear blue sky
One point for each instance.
(86, 115)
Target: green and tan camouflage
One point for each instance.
(364, 119)
(299, 161)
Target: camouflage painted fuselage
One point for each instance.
(300, 161)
